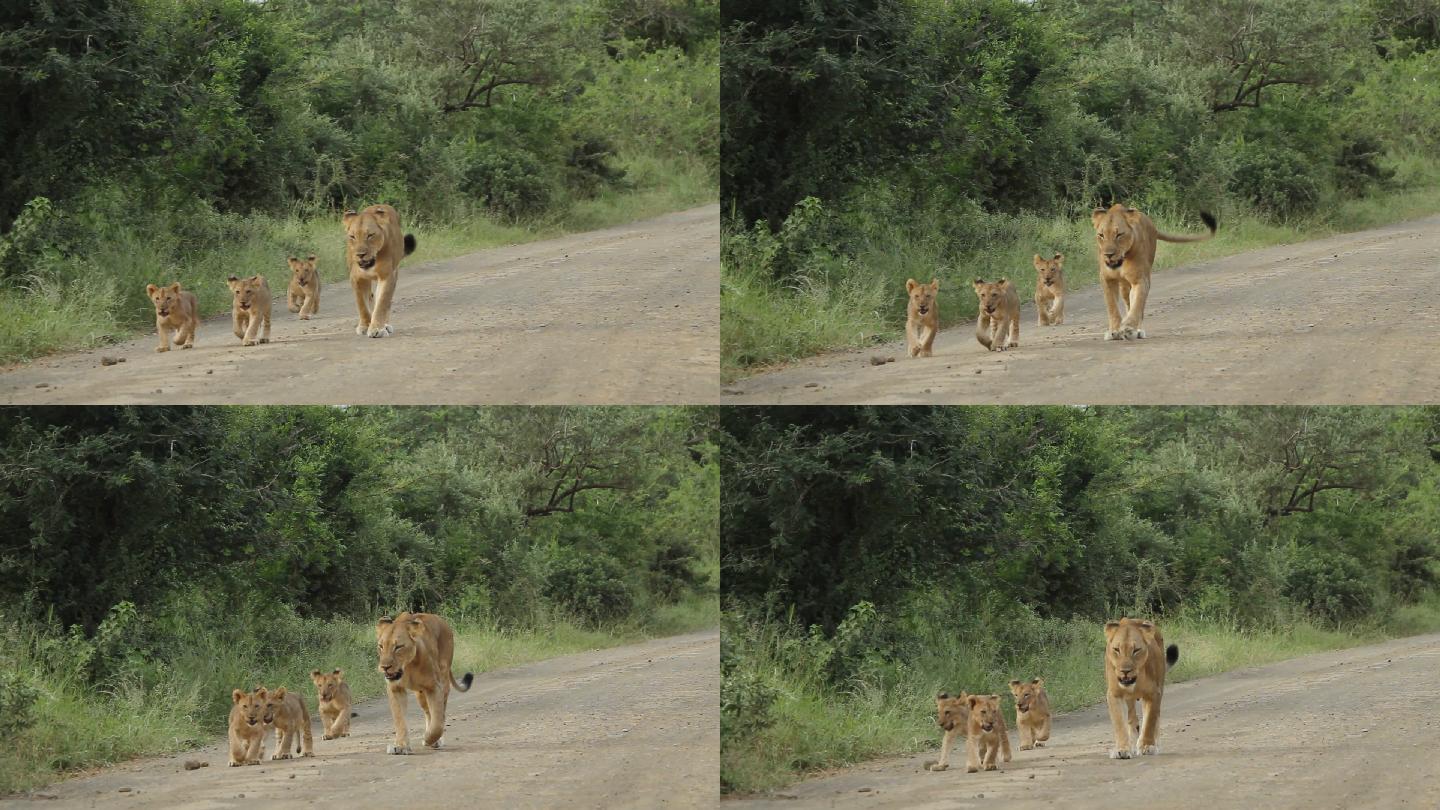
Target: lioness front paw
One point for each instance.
(992, 767)
(380, 331)
(235, 764)
(397, 749)
(1111, 335)
(971, 769)
(1127, 333)
(362, 329)
(248, 343)
(327, 737)
(1119, 753)
(440, 743)
(1026, 747)
(159, 349)
(1149, 750)
(264, 340)
(280, 756)
(1139, 334)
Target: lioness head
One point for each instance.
(1025, 693)
(246, 291)
(922, 296)
(397, 645)
(984, 711)
(952, 712)
(1049, 269)
(252, 705)
(273, 701)
(165, 299)
(366, 235)
(327, 684)
(991, 294)
(1127, 644)
(1115, 232)
(303, 270)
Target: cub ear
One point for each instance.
(1038, 261)
(315, 674)
(256, 278)
(935, 284)
(1059, 257)
(292, 260)
(1037, 681)
(973, 700)
(150, 289)
(1014, 684)
(943, 696)
(233, 279)
(337, 673)
(175, 287)
(280, 693)
(261, 693)
(910, 285)
(311, 257)
(236, 696)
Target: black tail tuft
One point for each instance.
(1172, 654)
(464, 683)
(354, 714)
(410, 241)
(1209, 220)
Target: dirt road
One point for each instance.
(633, 726)
(1357, 728)
(629, 314)
(1288, 324)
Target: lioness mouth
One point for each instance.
(1114, 264)
(394, 677)
(366, 263)
(1130, 681)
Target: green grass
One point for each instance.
(890, 710)
(99, 297)
(858, 299)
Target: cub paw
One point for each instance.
(280, 756)
(235, 764)
(248, 343)
(264, 340)
(397, 749)
(159, 349)
(326, 737)
(971, 769)
(1026, 747)
(935, 766)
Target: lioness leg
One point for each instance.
(435, 719)
(1150, 728)
(982, 331)
(1112, 305)
(380, 317)
(363, 298)
(1130, 328)
(1122, 731)
(401, 745)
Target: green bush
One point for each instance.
(592, 586)
(17, 703)
(1276, 178)
(1333, 586)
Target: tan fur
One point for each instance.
(250, 308)
(981, 743)
(177, 310)
(334, 700)
(415, 654)
(247, 727)
(374, 248)
(953, 716)
(1050, 290)
(303, 295)
(922, 317)
(1135, 651)
(998, 326)
(1126, 241)
(1032, 713)
(286, 713)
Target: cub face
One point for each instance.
(327, 684)
(1026, 693)
(396, 642)
(991, 294)
(922, 296)
(252, 706)
(1049, 270)
(247, 291)
(274, 703)
(302, 270)
(984, 712)
(952, 712)
(165, 299)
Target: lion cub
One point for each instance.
(247, 727)
(922, 317)
(287, 713)
(334, 696)
(1050, 290)
(986, 733)
(998, 327)
(304, 293)
(953, 715)
(1032, 713)
(175, 309)
(252, 306)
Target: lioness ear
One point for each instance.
(943, 696)
(416, 624)
(1110, 627)
(1097, 215)
(1148, 625)
(237, 695)
(349, 215)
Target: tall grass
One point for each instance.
(795, 294)
(783, 718)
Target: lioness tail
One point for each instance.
(410, 241)
(1206, 217)
(1172, 654)
(463, 684)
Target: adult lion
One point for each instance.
(415, 654)
(1136, 660)
(374, 249)
(1126, 249)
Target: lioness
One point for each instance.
(986, 733)
(334, 702)
(251, 308)
(1136, 660)
(303, 296)
(998, 327)
(175, 309)
(1032, 713)
(922, 317)
(953, 715)
(1126, 249)
(247, 727)
(1050, 289)
(415, 654)
(374, 249)
(286, 712)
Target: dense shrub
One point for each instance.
(591, 586)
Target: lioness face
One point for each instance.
(984, 711)
(365, 237)
(165, 299)
(252, 705)
(1114, 234)
(922, 296)
(1049, 269)
(274, 701)
(952, 712)
(991, 294)
(397, 645)
(1025, 693)
(327, 685)
(246, 291)
(303, 270)
(1128, 649)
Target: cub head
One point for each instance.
(1127, 647)
(247, 291)
(325, 684)
(303, 270)
(252, 705)
(165, 299)
(274, 701)
(365, 234)
(1049, 269)
(1025, 693)
(952, 712)
(397, 642)
(984, 712)
(922, 296)
(1114, 232)
(991, 294)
